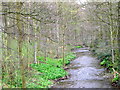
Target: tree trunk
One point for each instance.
(111, 34)
(20, 42)
(119, 26)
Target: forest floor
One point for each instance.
(85, 72)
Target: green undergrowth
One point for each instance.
(116, 78)
(37, 81)
(78, 46)
(102, 49)
(50, 69)
(106, 61)
(40, 75)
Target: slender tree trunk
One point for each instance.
(8, 65)
(118, 37)
(4, 55)
(35, 46)
(57, 27)
(3, 65)
(111, 34)
(35, 50)
(20, 42)
(119, 26)
(63, 48)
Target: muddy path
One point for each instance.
(85, 72)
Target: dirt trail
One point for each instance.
(85, 72)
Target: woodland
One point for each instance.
(37, 39)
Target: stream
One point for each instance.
(85, 72)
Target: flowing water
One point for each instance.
(85, 72)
